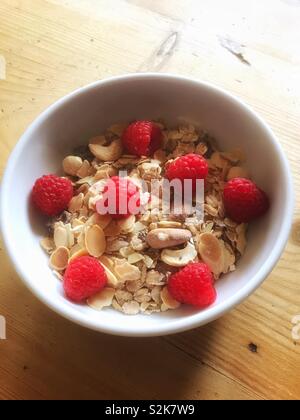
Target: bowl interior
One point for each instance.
(73, 120)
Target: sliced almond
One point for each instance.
(77, 253)
(115, 245)
(168, 300)
(113, 229)
(84, 212)
(123, 296)
(112, 279)
(85, 170)
(149, 262)
(83, 189)
(126, 251)
(61, 237)
(131, 308)
(154, 278)
(179, 258)
(58, 275)
(101, 221)
(95, 241)
(107, 262)
(76, 248)
(92, 202)
(156, 294)
(127, 225)
(89, 180)
(126, 271)
(237, 172)
(107, 153)
(139, 227)
(211, 252)
(241, 238)
(135, 258)
(201, 149)
(71, 165)
(104, 172)
(98, 187)
(76, 223)
(102, 299)
(167, 238)
(229, 260)
(59, 259)
(76, 203)
(48, 245)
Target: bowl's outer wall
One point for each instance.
(89, 112)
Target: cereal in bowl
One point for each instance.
(120, 232)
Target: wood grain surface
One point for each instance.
(50, 47)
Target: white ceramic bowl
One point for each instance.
(88, 111)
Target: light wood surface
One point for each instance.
(50, 47)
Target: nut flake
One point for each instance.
(126, 271)
(154, 278)
(59, 259)
(135, 258)
(61, 237)
(48, 245)
(76, 203)
(168, 300)
(102, 299)
(131, 308)
(211, 252)
(95, 241)
(71, 165)
(126, 225)
(241, 239)
(84, 170)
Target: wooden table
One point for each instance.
(50, 47)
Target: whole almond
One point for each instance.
(167, 238)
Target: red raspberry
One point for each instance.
(193, 285)
(244, 201)
(84, 277)
(123, 198)
(142, 138)
(188, 167)
(52, 194)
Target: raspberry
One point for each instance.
(84, 277)
(188, 167)
(244, 201)
(193, 285)
(122, 198)
(52, 194)
(142, 138)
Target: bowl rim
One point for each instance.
(177, 325)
